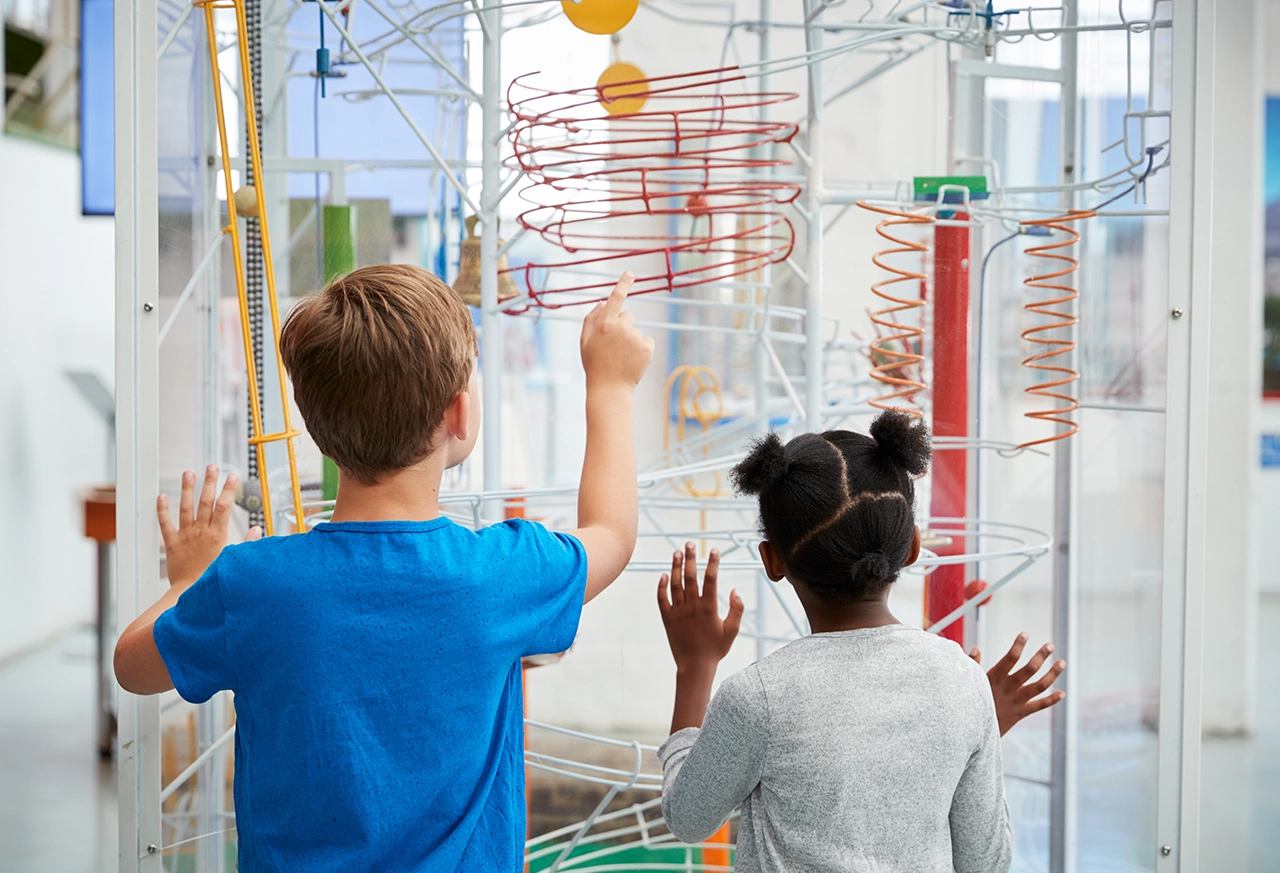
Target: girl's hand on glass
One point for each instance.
(1016, 692)
(698, 637)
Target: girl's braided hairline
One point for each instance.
(848, 502)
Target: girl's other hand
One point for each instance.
(698, 637)
(1015, 691)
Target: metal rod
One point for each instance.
(490, 318)
(1066, 478)
(813, 292)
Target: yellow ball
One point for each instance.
(600, 16)
(247, 201)
(613, 97)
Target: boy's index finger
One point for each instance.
(613, 305)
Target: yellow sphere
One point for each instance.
(600, 16)
(247, 201)
(612, 97)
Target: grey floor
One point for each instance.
(58, 808)
(57, 797)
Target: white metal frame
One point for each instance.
(1191, 221)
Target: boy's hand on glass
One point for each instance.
(698, 637)
(613, 351)
(1016, 691)
(201, 532)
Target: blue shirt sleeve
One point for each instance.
(192, 639)
(549, 580)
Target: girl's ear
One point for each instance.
(773, 566)
(914, 554)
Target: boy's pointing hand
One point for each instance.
(613, 351)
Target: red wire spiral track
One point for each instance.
(696, 149)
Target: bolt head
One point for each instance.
(1166, 850)
(152, 848)
(147, 307)
(1177, 313)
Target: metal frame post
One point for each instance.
(1066, 481)
(1186, 436)
(490, 318)
(137, 413)
(813, 370)
(760, 359)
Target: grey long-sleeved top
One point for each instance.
(864, 750)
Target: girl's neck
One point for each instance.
(826, 616)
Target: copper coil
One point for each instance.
(896, 373)
(1054, 346)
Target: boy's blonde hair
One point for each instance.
(376, 359)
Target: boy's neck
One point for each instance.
(411, 494)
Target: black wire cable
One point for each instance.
(1152, 151)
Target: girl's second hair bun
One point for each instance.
(763, 467)
(902, 442)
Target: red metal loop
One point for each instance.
(694, 150)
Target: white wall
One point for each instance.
(56, 292)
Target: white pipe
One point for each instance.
(490, 318)
(813, 193)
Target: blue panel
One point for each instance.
(1273, 150)
(97, 108)
(1271, 450)
(356, 122)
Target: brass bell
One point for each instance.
(468, 282)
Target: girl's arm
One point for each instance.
(981, 839)
(706, 770)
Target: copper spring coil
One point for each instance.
(1054, 346)
(896, 371)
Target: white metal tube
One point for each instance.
(1062, 744)
(813, 195)
(490, 318)
(1186, 436)
(137, 413)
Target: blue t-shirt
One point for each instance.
(376, 671)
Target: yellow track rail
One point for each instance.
(259, 439)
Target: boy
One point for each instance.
(376, 660)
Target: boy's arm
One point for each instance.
(614, 356)
(189, 550)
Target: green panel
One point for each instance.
(633, 858)
(339, 241)
(329, 484)
(928, 186)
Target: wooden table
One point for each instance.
(100, 526)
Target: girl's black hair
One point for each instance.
(839, 506)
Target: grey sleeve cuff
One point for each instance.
(677, 746)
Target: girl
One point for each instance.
(869, 745)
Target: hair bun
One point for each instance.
(872, 567)
(763, 467)
(902, 442)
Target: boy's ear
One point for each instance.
(773, 566)
(914, 554)
(457, 418)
